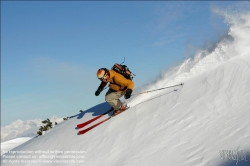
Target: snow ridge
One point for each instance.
(236, 43)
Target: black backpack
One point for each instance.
(123, 70)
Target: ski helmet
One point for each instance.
(101, 73)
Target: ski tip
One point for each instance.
(81, 132)
(77, 128)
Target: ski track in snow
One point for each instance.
(187, 127)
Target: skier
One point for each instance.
(119, 86)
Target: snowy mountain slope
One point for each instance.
(191, 126)
(210, 113)
(236, 43)
(21, 128)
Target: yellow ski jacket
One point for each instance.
(118, 82)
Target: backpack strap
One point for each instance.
(113, 79)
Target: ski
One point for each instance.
(92, 120)
(91, 127)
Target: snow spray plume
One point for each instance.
(235, 43)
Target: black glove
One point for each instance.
(128, 94)
(98, 91)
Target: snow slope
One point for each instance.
(192, 126)
(210, 113)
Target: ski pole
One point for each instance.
(157, 89)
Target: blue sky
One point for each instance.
(50, 51)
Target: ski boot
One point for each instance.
(122, 108)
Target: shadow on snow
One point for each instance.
(96, 110)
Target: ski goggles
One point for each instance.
(104, 76)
